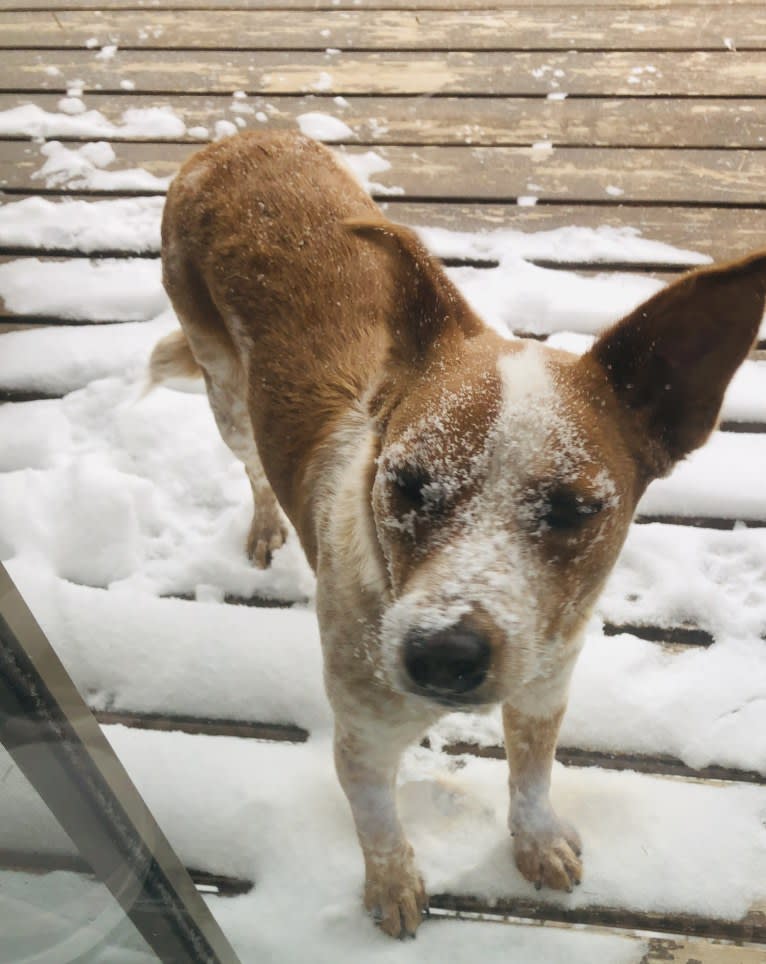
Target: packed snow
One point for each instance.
(114, 501)
(73, 119)
(82, 168)
(323, 127)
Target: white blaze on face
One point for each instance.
(525, 376)
(490, 560)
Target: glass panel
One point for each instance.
(50, 914)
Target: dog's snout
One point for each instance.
(450, 662)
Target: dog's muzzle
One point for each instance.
(448, 664)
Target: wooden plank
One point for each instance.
(151, 5)
(560, 175)
(656, 764)
(273, 732)
(624, 74)
(498, 121)
(689, 951)
(721, 233)
(521, 28)
(666, 949)
(752, 928)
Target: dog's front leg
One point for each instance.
(393, 890)
(546, 849)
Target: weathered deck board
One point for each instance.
(624, 74)
(507, 121)
(658, 765)
(523, 28)
(720, 233)
(218, 5)
(491, 173)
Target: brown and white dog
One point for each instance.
(461, 497)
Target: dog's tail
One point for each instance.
(172, 358)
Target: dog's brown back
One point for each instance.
(259, 266)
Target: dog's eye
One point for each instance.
(411, 484)
(563, 510)
(418, 490)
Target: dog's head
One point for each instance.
(508, 472)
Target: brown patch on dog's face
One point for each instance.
(502, 496)
(431, 449)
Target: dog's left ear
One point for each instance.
(431, 306)
(670, 361)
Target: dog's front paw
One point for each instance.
(547, 851)
(394, 893)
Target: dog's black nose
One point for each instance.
(450, 662)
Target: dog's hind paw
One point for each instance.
(266, 536)
(549, 856)
(395, 895)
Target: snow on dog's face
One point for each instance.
(499, 512)
(508, 473)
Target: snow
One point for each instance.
(669, 575)
(74, 120)
(734, 464)
(130, 224)
(224, 128)
(323, 127)
(112, 501)
(82, 168)
(569, 244)
(107, 52)
(147, 652)
(363, 166)
(706, 706)
(63, 916)
(304, 860)
(58, 360)
(323, 83)
(120, 290)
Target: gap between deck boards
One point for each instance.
(10, 252)
(510, 910)
(652, 764)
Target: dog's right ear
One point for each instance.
(432, 308)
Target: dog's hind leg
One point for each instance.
(226, 384)
(227, 391)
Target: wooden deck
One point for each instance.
(652, 115)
